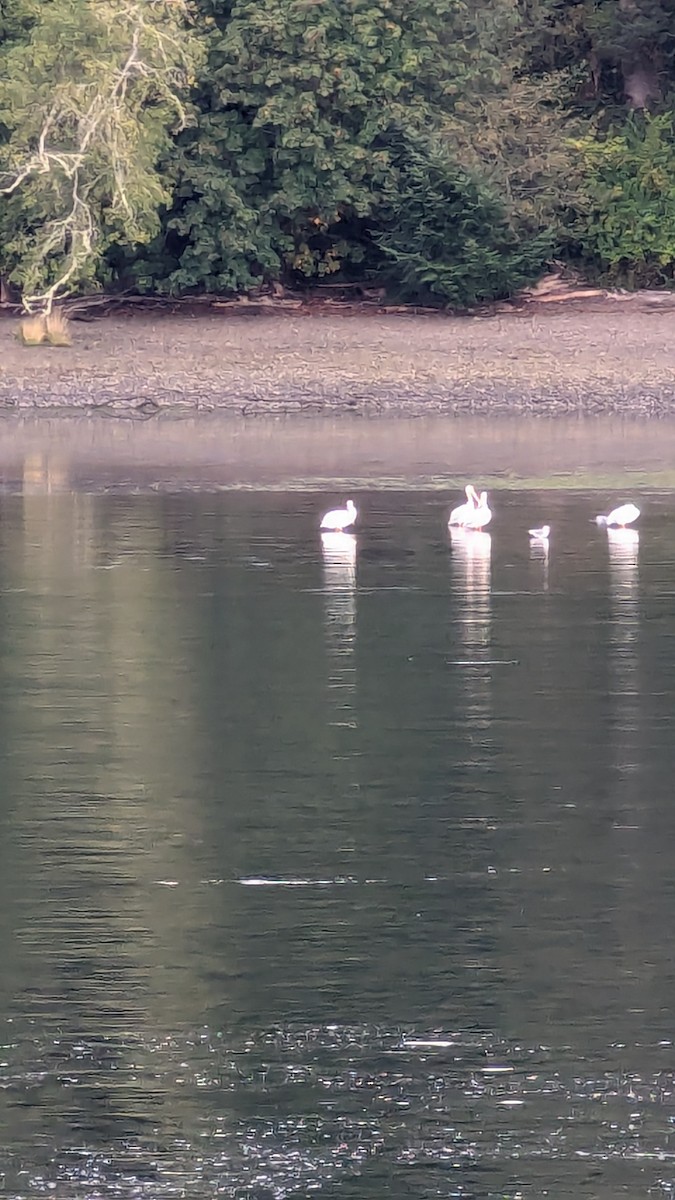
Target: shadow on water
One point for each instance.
(334, 865)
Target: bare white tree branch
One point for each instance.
(98, 121)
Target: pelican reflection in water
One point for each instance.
(474, 549)
(339, 585)
(624, 547)
(472, 553)
(339, 588)
(471, 616)
(472, 562)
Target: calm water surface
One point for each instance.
(335, 869)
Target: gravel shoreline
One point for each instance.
(587, 358)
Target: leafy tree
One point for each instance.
(439, 147)
(290, 155)
(89, 93)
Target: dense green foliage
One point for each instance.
(625, 226)
(442, 150)
(443, 236)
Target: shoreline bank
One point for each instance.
(590, 358)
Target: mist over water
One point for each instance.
(335, 866)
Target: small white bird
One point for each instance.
(481, 515)
(461, 514)
(540, 535)
(340, 518)
(624, 515)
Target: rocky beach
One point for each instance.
(605, 355)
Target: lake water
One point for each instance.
(341, 869)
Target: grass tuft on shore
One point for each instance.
(54, 329)
(33, 331)
(58, 329)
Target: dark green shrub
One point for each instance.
(445, 238)
(623, 228)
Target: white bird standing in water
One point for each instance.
(460, 515)
(540, 535)
(624, 515)
(340, 518)
(481, 515)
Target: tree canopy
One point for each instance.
(443, 151)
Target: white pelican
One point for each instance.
(461, 514)
(540, 535)
(624, 515)
(481, 515)
(340, 518)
